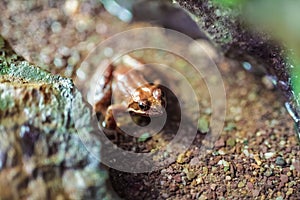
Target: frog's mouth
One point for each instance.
(154, 111)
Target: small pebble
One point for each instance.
(205, 170)
(221, 152)
(226, 168)
(230, 142)
(189, 174)
(199, 180)
(241, 184)
(268, 82)
(45, 58)
(268, 173)
(257, 160)
(289, 192)
(255, 193)
(165, 195)
(101, 28)
(220, 143)
(291, 183)
(246, 152)
(108, 52)
(284, 179)
(177, 178)
(59, 62)
(56, 27)
(249, 185)
(194, 161)
(71, 6)
(203, 125)
(230, 126)
(214, 169)
(280, 161)
(223, 162)
(282, 143)
(269, 155)
(65, 51)
(203, 197)
(279, 198)
(213, 186)
(180, 158)
(74, 59)
(259, 133)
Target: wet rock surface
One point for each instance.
(42, 120)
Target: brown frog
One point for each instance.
(130, 90)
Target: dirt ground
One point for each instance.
(257, 155)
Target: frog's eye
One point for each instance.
(157, 93)
(144, 105)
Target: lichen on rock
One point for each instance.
(42, 120)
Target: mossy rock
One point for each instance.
(42, 120)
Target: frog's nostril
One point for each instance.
(144, 105)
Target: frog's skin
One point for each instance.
(131, 92)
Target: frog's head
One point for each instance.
(148, 100)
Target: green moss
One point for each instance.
(2, 43)
(3, 68)
(29, 73)
(6, 101)
(230, 126)
(229, 3)
(295, 79)
(144, 137)
(203, 125)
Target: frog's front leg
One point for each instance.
(111, 112)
